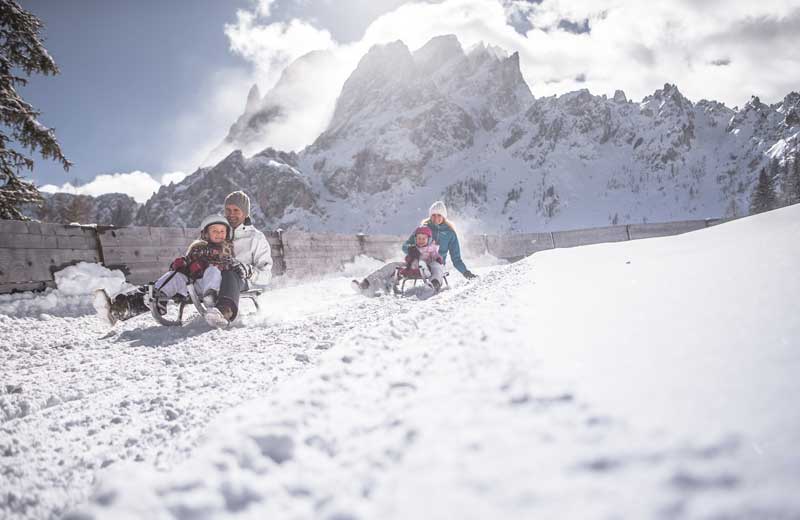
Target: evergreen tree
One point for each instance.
(792, 195)
(764, 197)
(21, 51)
(78, 210)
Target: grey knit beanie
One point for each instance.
(240, 200)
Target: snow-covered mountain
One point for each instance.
(115, 209)
(279, 193)
(290, 111)
(443, 122)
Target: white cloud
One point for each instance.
(264, 7)
(139, 185)
(200, 128)
(273, 46)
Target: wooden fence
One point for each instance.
(30, 252)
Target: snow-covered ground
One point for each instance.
(647, 379)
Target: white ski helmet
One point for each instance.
(214, 219)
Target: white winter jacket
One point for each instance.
(250, 246)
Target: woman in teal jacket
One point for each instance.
(445, 235)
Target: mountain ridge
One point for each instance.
(443, 123)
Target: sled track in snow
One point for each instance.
(351, 424)
(91, 398)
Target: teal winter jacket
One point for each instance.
(448, 243)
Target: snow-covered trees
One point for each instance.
(764, 197)
(21, 50)
(791, 193)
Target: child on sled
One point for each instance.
(423, 259)
(202, 265)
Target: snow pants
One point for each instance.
(381, 280)
(171, 285)
(230, 288)
(432, 271)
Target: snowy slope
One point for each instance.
(642, 379)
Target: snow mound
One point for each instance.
(73, 295)
(361, 266)
(642, 379)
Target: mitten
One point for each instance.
(179, 264)
(245, 271)
(196, 268)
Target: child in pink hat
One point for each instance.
(424, 255)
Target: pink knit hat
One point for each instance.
(424, 230)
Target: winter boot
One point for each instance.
(102, 304)
(210, 298)
(222, 315)
(362, 286)
(127, 305)
(215, 318)
(437, 285)
(159, 299)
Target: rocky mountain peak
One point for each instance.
(669, 94)
(790, 108)
(620, 97)
(253, 99)
(389, 62)
(438, 52)
(386, 71)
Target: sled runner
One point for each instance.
(405, 274)
(169, 311)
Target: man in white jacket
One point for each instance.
(251, 248)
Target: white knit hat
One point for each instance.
(438, 208)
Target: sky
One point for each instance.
(147, 89)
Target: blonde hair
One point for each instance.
(427, 221)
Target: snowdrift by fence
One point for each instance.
(30, 252)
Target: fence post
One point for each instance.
(282, 264)
(362, 243)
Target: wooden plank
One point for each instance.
(126, 255)
(14, 226)
(516, 246)
(22, 265)
(28, 241)
(125, 237)
(25, 286)
(662, 229)
(73, 231)
(386, 238)
(34, 228)
(76, 242)
(25, 265)
(141, 274)
(473, 244)
(134, 254)
(582, 237)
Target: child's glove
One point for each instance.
(178, 265)
(196, 268)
